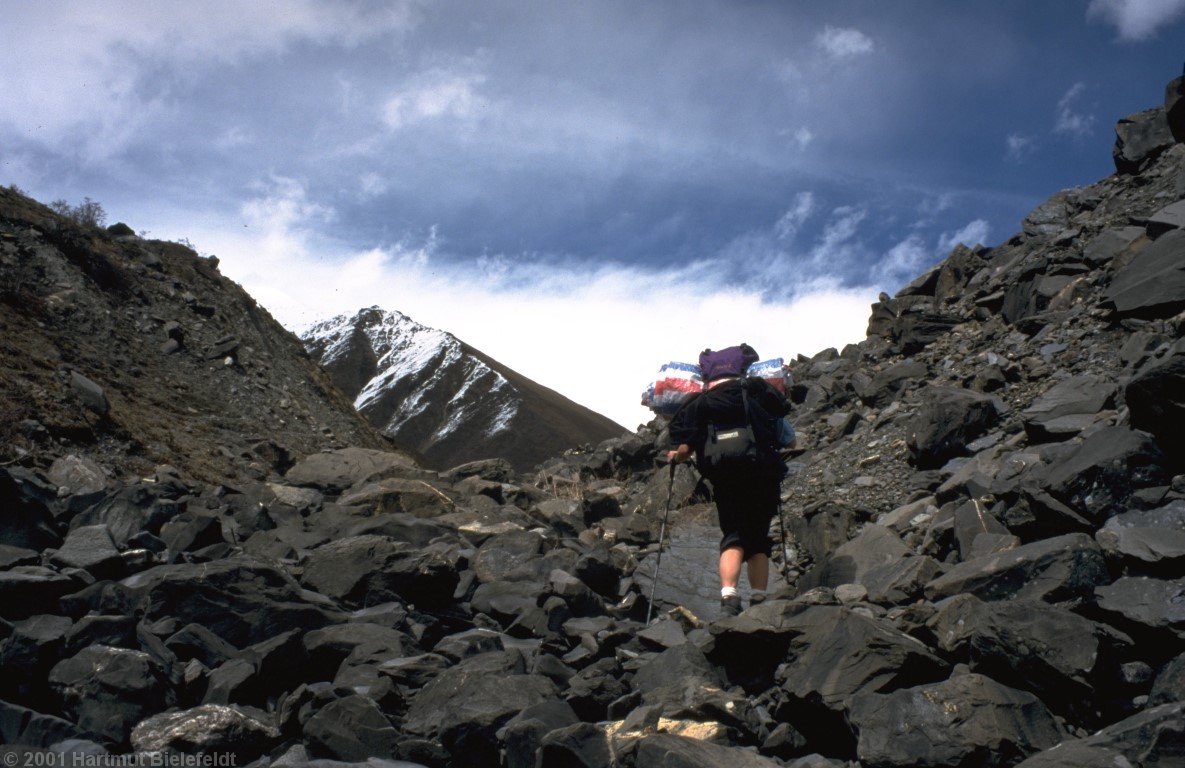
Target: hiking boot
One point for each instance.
(730, 606)
(757, 598)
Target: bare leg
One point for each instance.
(759, 572)
(730, 566)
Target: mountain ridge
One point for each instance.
(442, 398)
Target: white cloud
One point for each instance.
(1069, 119)
(904, 261)
(1018, 146)
(91, 81)
(788, 226)
(510, 308)
(973, 234)
(1136, 19)
(434, 94)
(841, 43)
(803, 137)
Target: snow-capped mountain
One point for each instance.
(437, 396)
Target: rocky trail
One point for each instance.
(986, 527)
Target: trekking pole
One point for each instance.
(785, 549)
(662, 533)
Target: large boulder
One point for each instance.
(967, 720)
(1098, 477)
(1068, 407)
(242, 600)
(1151, 285)
(1156, 398)
(1047, 650)
(211, 729)
(946, 422)
(344, 468)
(1153, 737)
(1140, 139)
(1174, 107)
(373, 569)
(1152, 609)
(109, 690)
(852, 561)
(91, 548)
(352, 729)
(27, 521)
(1061, 568)
(466, 705)
(1147, 536)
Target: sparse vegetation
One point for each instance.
(88, 213)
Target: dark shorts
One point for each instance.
(745, 508)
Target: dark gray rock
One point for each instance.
(1169, 685)
(89, 393)
(369, 569)
(1097, 477)
(1139, 139)
(397, 495)
(1153, 737)
(1156, 397)
(1109, 243)
(109, 690)
(1167, 219)
(684, 661)
(465, 706)
(972, 520)
(1150, 536)
(1151, 285)
(28, 653)
(1147, 604)
(1058, 413)
(1049, 651)
(352, 729)
(1174, 107)
(242, 600)
(886, 385)
(342, 469)
(581, 745)
(210, 729)
(509, 557)
(901, 581)
(193, 641)
(524, 733)
(327, 648)
(968, 720)
(29, 589)
(851, 562)
(1061, 568)
(946, 422)
(27, 521)
(91, 548)
(22, 726)
(838, 653)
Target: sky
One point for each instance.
(582, 190)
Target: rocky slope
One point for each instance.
(986, 560)
(140, 353)
(444, 400)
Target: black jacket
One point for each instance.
(724, 407)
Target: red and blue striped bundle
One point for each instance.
(679, 382)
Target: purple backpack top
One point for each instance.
(732, 361)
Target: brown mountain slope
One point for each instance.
(192, 371)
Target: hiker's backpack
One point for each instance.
(740, 449)
(678, 382)
(731, 361)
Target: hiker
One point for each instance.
(734, 410)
